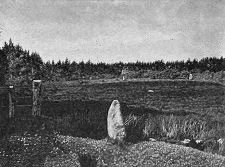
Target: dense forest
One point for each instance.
(22, 66)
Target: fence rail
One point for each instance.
(23, 105)
(21, 97)
(26, 100)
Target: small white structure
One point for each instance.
(190, 77)
(124, 73)
(150, 91)
(115, 125)
(220, 141)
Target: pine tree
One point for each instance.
(22, 67)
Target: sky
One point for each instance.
(115, 30)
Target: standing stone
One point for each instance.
(115, 125)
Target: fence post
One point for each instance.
(36, 108)
(11, 101)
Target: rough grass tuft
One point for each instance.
(174, 128)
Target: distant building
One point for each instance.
(190, 76)
(124, 73)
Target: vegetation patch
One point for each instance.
(140, 154)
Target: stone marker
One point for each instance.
(115, 125)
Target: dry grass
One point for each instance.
(174, 128)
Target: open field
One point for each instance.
(174, 96)
(174, 109)
(155, 107)
(87, 103)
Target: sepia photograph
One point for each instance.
(112, 83)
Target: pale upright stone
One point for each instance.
(115, 125)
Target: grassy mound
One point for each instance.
(44, 150)
(140, 154)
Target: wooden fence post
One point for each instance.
(11, 101)
(36, 109)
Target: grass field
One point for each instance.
(168, 95)
(87, 103)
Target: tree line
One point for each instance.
(22, 66)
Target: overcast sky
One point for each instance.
(116, 30)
